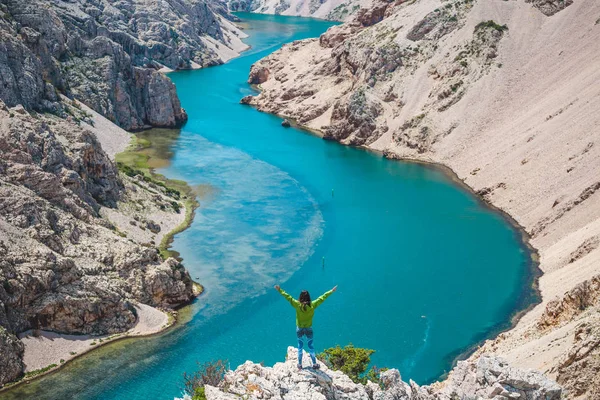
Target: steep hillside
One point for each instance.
(506, 94)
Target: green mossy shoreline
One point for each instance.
(142, 156)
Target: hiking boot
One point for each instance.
(316, 366)
(299, 366)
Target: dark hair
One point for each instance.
(305, 299)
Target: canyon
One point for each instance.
(503, 93)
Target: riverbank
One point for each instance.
(48, 351)
(149, 150)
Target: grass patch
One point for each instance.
(40, 371)
(149, 150)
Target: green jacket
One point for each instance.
(304, 315)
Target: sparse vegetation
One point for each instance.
(455, 86)
(492, 25)
(353, 361)
(40, 371)
(210, 373)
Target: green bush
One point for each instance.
(210, 373)
(491, 24)
(199, 394)
(352, 361)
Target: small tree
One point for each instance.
(210, 373)
(353, 361)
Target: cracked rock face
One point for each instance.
(107, 54)
(486, 378)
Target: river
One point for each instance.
(424, 268)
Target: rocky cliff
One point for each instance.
(63, 267)
(504, 93)
(108, 54)
(487, 378)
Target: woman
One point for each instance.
(305, 309)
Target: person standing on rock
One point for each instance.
(305, 310)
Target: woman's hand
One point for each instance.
(334, 288)
(277, 287)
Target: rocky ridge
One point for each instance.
(487, 378)
(495, 92)
(109, 55)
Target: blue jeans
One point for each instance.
(300, 333)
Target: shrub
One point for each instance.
(199, 394)
(210, 373)
(353, 361)
(491, 24)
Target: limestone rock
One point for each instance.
(258, 75)
(487, 378)
(246, 99)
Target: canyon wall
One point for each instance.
(108, 55)
(76, 250)
(506, 94)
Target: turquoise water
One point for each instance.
(424, 269)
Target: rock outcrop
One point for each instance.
(108, 55)
(486, 378)
(493, 91)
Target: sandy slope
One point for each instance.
(523, 129)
